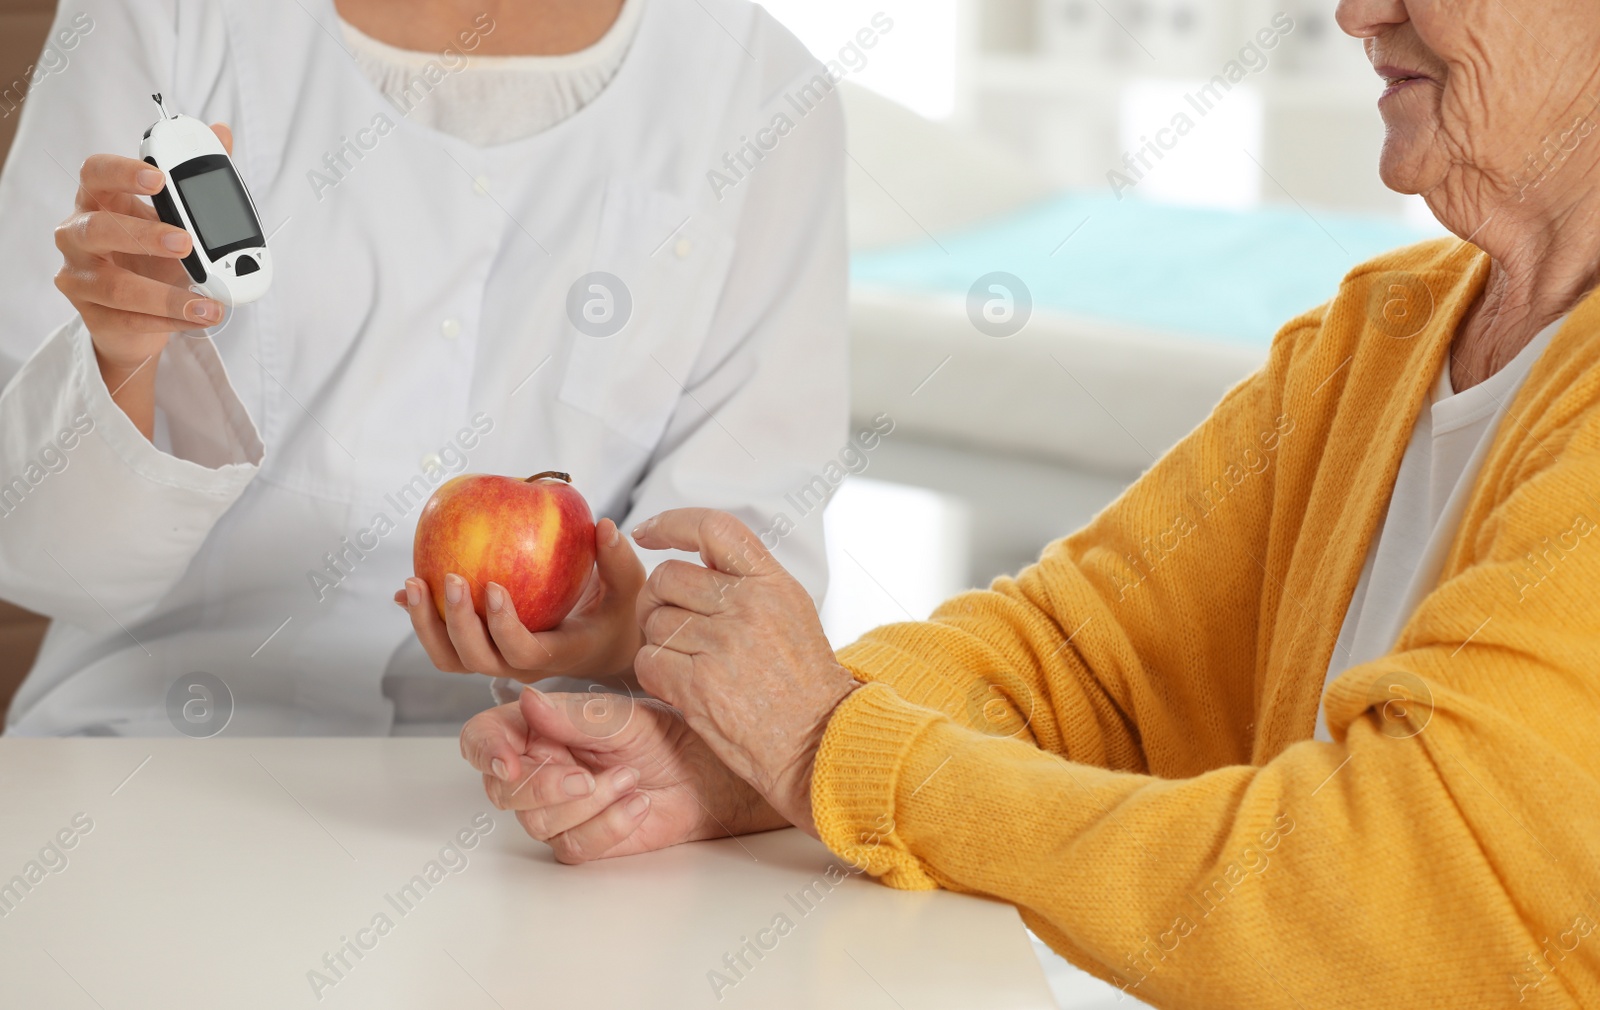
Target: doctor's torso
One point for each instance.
(437, 308)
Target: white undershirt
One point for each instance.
(491, 100)
(1447, 449)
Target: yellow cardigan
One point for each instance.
(1118, 740)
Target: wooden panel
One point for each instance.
(23, 28)
(20, 634)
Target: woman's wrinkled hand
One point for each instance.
(597, 640)
(600, 775)
(736, 645)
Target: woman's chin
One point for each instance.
(1403, 165)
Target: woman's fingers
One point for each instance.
(132, 326)
(123, 307)
(460, 643)
(551, 793)
(598, 722)
(599, 636)
(621, 571)
(522, 650)
(668, 674)
(685, 584)
(103, 175)
(722, 541)
(497, 742)
(552, 797)
(493, 742)
(679, 630)
(107, 177)
(103, 232)
(466, 630)
(601, 833)
(112, 287)
(430, 627)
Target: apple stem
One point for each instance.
(550, 473)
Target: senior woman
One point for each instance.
(1398, 506)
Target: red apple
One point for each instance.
(535, 537)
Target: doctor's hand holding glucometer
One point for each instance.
(129, 273)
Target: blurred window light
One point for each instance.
(1186, 142)
(895, 552)
(1418, 212)
(912, 62)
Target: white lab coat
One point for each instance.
(417, 327)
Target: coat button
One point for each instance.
(432, 462)
(683, 248)
(480, 185)
(450, 329)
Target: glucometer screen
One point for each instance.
(218, 207)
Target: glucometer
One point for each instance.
(205, 197)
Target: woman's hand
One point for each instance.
(738, 648)
(596, 775)
(121, 271)
(596, 641)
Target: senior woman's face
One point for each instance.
(1477, 88)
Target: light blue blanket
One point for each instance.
(1234, 276)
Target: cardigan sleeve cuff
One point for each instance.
(912, 679)
(864, 758)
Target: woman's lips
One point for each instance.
(1398, 79)
(1397, 85)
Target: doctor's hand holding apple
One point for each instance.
(514, 579)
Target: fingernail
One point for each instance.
(177, 241)
(400, 604)
(616, 536)
(497, 598)
(499, 768)
(578, 784)
(538, 697)
(626, 777)
(413, 593)
(637, 805)
(204, 311)
(149, 178)
(453, 584)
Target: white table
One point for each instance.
(219, 873)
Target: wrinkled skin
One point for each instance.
(597, 776)
(1503, 78)
(735, 644)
